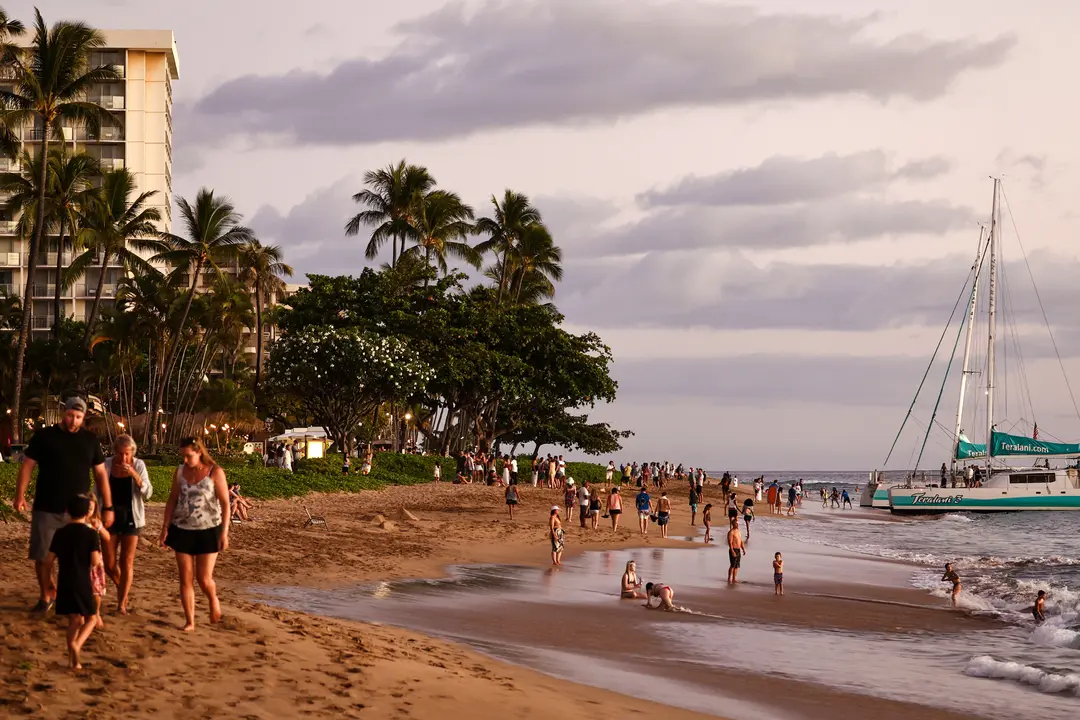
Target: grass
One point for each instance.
(317, 475)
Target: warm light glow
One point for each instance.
(315, 449)
(121, 425)
(162, 426)
(9, 411)
(206, 431)
(213, 426)
(225, 426)
(408, 416)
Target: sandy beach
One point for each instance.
(269, 662)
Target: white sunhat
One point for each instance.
(556, 507)
(569, 481)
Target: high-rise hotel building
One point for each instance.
(142, 142)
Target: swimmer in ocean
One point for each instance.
(663, 592)
(951, 576)
(1040, 606)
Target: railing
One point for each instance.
(6, 289)
(112, 163)
(109, 102)
(50, 259)
(12, 259)
(108, 133)
(7, 227)
(89, 290)
(44, 290)
(41, 323)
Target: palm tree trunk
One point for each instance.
(31, 268)
(502, 273)
(393, 253)
(59, 272)
(258, 339)
(90, 321)
(167, 370)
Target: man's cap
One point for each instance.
(75, 403)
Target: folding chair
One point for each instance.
(313, 520)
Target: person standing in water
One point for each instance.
(664, 593)
(630, 583)
(748, 515)
(736, 548)
(556, 532)
(951, 576)
(778, 574)
(1038, 611)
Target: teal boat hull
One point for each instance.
(924, 501)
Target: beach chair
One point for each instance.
(313, 520)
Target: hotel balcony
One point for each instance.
(7, 227)
(7, 289)
(10, 259)
(89, 290)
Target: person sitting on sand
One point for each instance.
(240, 504)
(1040, 605)
(663, 513)
(736, 549)
(556, 532)
(630, 583)
(951, 576)
(778, 574)
(512, 499)
(76, 548)
(614, 508)
(662, 592)
(706, 517)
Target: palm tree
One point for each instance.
(537, 266)
(440, 223)
(215, 236)
(389, 199)
(513, 216)
(263, 271)
(71, 189)
(52, 80)
(114, 223)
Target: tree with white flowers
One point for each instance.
(342, 376)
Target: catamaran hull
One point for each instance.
(926, 501)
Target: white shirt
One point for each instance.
(583, 495)
(513, 465)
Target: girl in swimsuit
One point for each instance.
(614, 508)
(748, 515)
(630, 582)
(951, 576)
(594, 509)
(663, 592)
(706, 517)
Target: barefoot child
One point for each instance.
(1040, 606)
(778, 574)
(77, 549)
(97, 575)
(706, 517)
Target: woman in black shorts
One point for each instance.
(131, 488)
(196, 525)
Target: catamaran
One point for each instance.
(1004, 487)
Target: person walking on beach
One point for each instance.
(512, 499)
(583, 502)
(610, 472)
(951, 576)
(130, 486)
(643, 503)
(778, 574)
(65, 455)
(693, 497)
(824, 498)
(663, 513)
(77, 549)
(594, 508)
(556, 532)
(736, 549)
(1038, 611)
(196, 525)
(570, 499)
(748, 515)
(706, 517)
(791, 500)
(725, 486)
(663, 593)
(614, 508)
(771, 494)
(630, 583)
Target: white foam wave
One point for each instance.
(985, 666)
(957, 517)
(1049, 635)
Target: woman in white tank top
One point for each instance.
(196, 526)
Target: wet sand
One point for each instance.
(272, 662)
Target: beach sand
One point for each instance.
(265, 662)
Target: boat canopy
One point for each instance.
(1004, 444)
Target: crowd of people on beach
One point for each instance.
(93, 537)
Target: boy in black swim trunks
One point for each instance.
(735, 552)
(1040, 605)
(778, 574)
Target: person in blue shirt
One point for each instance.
(644, 509)
(845, 499)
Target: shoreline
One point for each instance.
(348, 667)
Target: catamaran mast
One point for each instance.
(967, 350)
(991, 325)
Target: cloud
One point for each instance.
(725, 291)
(831, 221)
(782, 180)
(509, 64)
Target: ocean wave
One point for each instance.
(1049, 635)
(958, 517)
(985, 666)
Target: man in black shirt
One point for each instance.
(64, 455)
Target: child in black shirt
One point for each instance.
(77, 547)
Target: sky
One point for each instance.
(767, 209)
